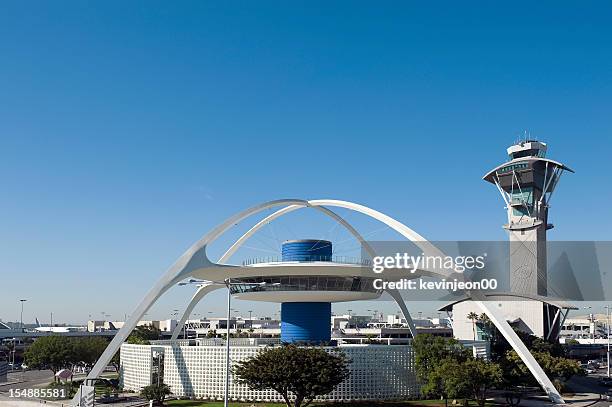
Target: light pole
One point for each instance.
(607, 307)
(591, 320)
(228, 283)
(21, 320)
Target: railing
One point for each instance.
(329, 259)
(218, 342)
(304, 283)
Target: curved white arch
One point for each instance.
(395, 294)
(428, 248)
(202, 291)
(238, 243)
(195, 258)
(226, 256)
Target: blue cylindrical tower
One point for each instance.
(307, 250)
(306, 321)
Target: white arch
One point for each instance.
(285, 211)
(195, 258)
(202, 290)
(395, 294)
(493, 314)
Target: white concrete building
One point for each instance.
(196, 368)
(378, 372)
(586, 329)
(164, 325)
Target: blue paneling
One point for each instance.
(307, 250)
(306, 322)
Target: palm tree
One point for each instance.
(487, 325)
(472, 316)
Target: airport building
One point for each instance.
(196, 368)
(307, 279)
(380, 369)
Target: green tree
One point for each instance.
(51, 352)
(88, 350)
(472, 316)
(142, 335)
(559, 369)
(447, 380)
(500, 347)
(432, 350)
(155, 392)
(488, 327)
(303, 373)
(454, 379)
(481, 376)
(447, 369)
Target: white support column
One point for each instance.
(161, 287)
(203, 289)
(400, 302)
(193, 259)
(552, 325)
(506, 330)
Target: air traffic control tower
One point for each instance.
(526, 183)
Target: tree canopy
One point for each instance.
(56, 352)
(559, 369)
(143, 334)
(155, 392)
(550, 355)
(447, 369)
(51, 352)
(298, 372)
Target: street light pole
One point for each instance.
(21, 320)
(608, 324)
(228, 283)
(592, 322)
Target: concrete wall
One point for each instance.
(378, 372)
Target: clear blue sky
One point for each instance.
(127, 130)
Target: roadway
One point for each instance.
(27, 379)
(14, 334)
